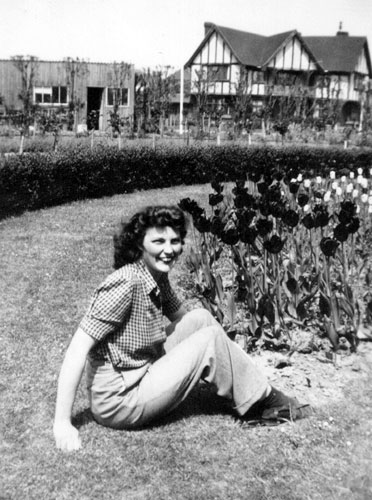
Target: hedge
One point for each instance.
(36, 180)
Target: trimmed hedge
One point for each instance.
(37, 180)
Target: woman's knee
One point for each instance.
(202, 317)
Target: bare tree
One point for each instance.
(28, 68)
(76, 69)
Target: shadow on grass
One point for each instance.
(201, 401)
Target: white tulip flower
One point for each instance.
(370, 200)
(357, 209)
(364, 183)
(318, 179)
(334, 185)
(349, 188)
(339, 191)
(306, 208)
(355, 193)
(360, 171)
(299, 178)
(307, 183)
(343, 178)
(332, 174)
(352, 175)
(327, 196)
(364, 197)
(370, 209)
(360, 179)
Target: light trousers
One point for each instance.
(197, 349)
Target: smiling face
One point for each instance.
(160, 248)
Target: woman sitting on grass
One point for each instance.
(138, 370)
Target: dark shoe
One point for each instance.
(275, 409)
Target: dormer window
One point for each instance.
(217, 72)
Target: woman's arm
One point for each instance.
(65, 434)
(178, 314)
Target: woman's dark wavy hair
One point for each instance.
(128, 241)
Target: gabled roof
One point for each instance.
(334, 53)
(250, 49)
(338, 53)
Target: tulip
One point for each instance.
(349, 188)
(360, 171)
(370, 209)
(339, 191)
(307, 183)
(290, 218)
(332, 174)
(360, 179)
(364, 197)
(353, 225)
(341, 232)
(299, 178)
(334, 185)
(370, 200)
(355, 193)
(318, 179)
(302, 199)
(343, 178)
(306, 208)
(351, 175)
(215, 199)
(327, 196)
(329, 246)
(274, 244)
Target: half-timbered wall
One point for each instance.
(292, 57)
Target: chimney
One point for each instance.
(340, 32)
(207, 27)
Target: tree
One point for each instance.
(75, 69)
(28, 68)
(118, 80)
(154, 89)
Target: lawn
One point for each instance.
(51, 262)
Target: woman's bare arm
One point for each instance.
(65, 434)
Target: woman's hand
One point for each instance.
(66, 436)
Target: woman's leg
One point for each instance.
(206, 354)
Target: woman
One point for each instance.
(137, 369)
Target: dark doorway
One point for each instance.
(94, 106)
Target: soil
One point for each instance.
(318, 378)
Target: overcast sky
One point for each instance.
(160, 32)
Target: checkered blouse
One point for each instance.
(126, 316)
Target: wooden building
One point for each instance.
(230, 62)
(90, 88)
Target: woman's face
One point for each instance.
(160, 248)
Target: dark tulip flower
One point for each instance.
(217, 226)
(217, 186)
(324, 306)
(353, 225)
(318, 194)
(341, 232)
(230, 236)
(321, 216)
(264, 227)
(290, 218)
(274, 244)
(329, 246)
(215, 199)
(294, 187)
(302, 199)
(248, 234)
(276, 209)
(262, 187)
(245, 216)
(190, 206)
(239, 183)
(308, 221)
(264, 208)
(292, 285)
(347, 212)
(202, 224)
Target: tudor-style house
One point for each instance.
(230, 63)
(54, 85)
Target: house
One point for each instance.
(90, 90)
(320, 75)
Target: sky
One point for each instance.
(150, 33)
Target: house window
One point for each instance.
(358, 82)
(117, 96)
(217, 73)
(50, 95)
(258, 77)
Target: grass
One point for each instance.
(51, 262)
